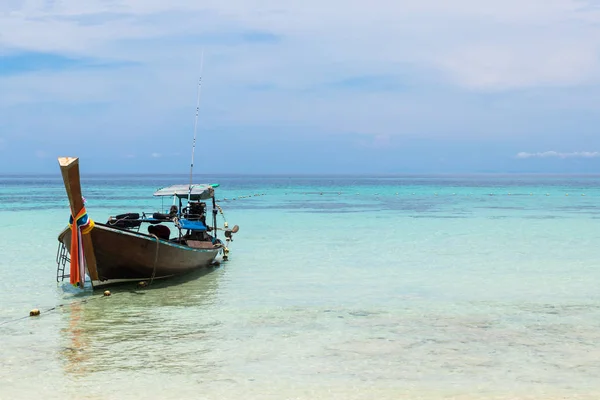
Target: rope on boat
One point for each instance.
(155, 259)
(221, 212)
(227, 238)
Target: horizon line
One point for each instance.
(306, 174)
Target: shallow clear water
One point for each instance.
(338, 287)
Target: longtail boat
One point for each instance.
(121, 250)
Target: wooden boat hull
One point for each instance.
(123, 256)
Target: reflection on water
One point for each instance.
(133, 329)
(75, 353)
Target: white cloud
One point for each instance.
(556, 154)
(156, 155)
(497, 44)
(502, 66)
(468, 45)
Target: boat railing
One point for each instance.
(62, 260)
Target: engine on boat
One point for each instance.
(195, 211)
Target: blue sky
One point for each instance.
(415, 86)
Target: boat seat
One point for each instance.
(161, 231)
(192, 225)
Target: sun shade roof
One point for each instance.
(198, 191)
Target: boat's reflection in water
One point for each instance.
(165, 326)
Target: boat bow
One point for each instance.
(82, 248)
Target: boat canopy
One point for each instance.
(198, 191)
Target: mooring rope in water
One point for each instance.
(36, 312)
(412, 194)
(242, 197)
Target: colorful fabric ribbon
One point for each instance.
(84, 226)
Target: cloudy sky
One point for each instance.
(379, 86)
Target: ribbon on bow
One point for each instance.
(84, 226)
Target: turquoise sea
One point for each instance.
(338, 287)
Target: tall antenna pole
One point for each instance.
(196, 125)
